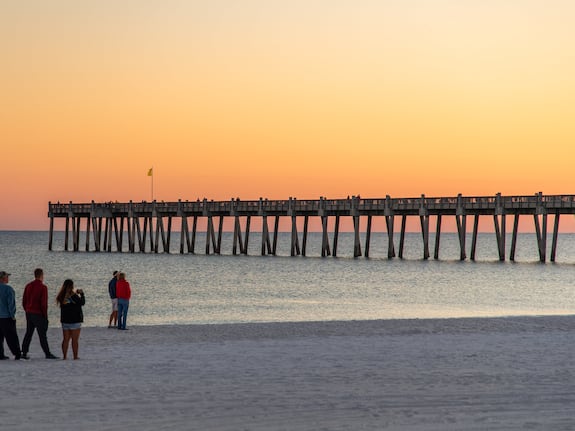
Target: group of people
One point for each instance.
(70, 301)
(35, 304)
(120, 293)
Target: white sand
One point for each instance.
(455, 374)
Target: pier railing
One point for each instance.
(138, 218)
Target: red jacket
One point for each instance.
(35, 298)
(123, 290)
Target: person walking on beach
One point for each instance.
(123, 292)
(8, 318)
(35, 303)
(114, 298)
(71, 316)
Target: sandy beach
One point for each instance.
(452, 374)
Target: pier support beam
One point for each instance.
(110, 225)
(142, 233)
(474, 236)
(461, 219)
(66, 234)
(275, 242)
(159, 233)
(51, 235)
(541, 233)
(514, 237)
(218, 244)
(402, 235)
(153, 240)
(335, 235)
(389, 222)
(168, 235)
(499, 221)
(555, 235)
(295, 250)
(211, 236)
(461, 230)
(118, 232)
(183, 233)
(87, 233)
(424, 220)
(96, 232)
(437, 237)
(132, 234)
(185, 240)
(194, 230)
(325, 251)
(304, 241)
(75, 233)
(237, 236)
(367, 236)
(266, 243)
(357, 239)
(247, 237)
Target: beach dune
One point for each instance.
(440, 374)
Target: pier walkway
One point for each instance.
(149, 224)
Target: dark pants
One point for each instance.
(8, 331)
(40, 324)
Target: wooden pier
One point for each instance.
(107, 223)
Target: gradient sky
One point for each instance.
(273, 98)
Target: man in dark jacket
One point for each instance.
(114, 299)
(35, 303)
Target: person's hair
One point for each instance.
(115, 273)
(38, 272)
(65, 291)
(122, 276)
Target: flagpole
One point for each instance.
(151, 174)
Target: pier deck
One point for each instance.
(110, 220)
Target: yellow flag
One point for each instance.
(151, 172)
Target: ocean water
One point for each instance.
(196, 288)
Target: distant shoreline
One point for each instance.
(380, 327)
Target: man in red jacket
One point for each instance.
(35, 303)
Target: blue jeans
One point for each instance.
(123, 305)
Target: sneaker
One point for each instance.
(51, 356)
(24, 356)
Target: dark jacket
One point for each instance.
(112, 288)
(71, 309)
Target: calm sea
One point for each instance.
(200, 289)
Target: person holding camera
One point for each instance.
(71, 316)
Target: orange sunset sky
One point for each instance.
(270, 98)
